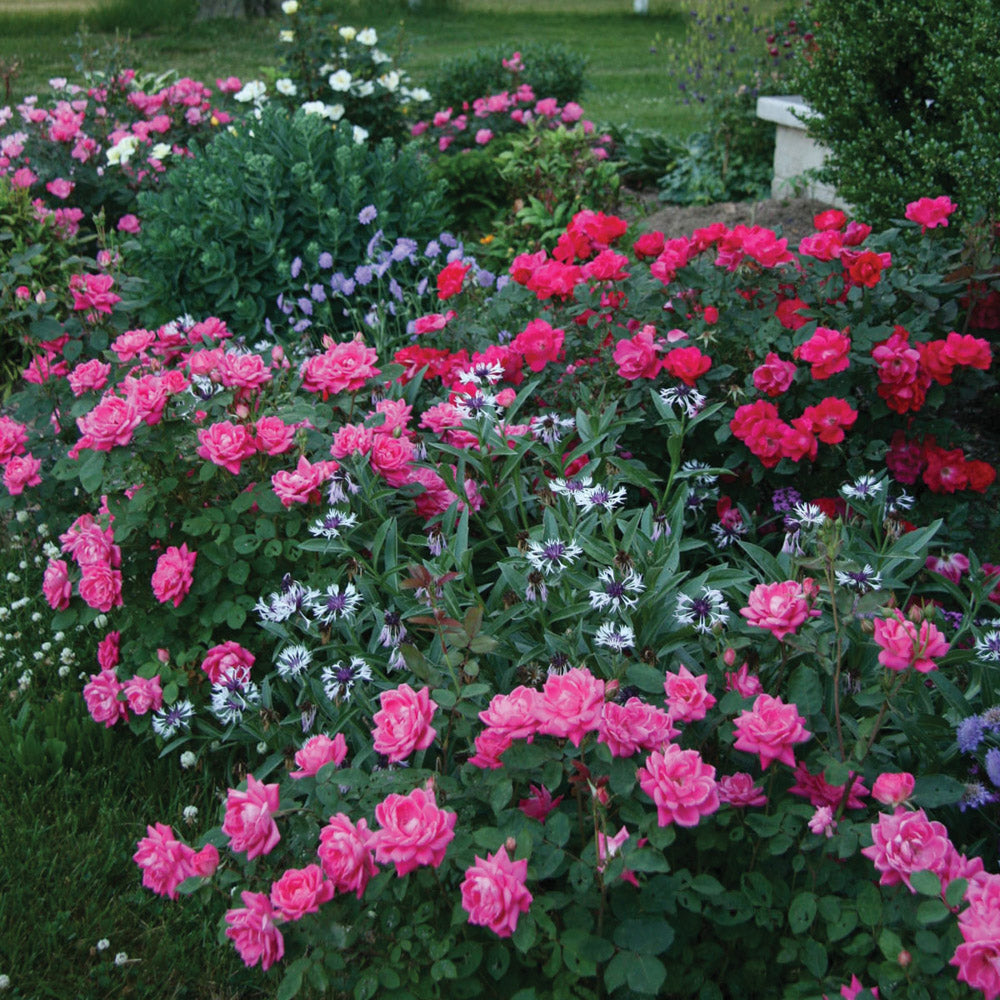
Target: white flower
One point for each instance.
(379, 57)
(615, 636)
(121, 151)
(359, 134)
(286, 87)
(363, 89)
(861, 580)
(389, 80)
(160, 150)
(600, 496)
(290, 7)
(419, 94)
(231, 698)
(552, 555)
(340, 81)
(334, 112)
(167, 721)
(865, 488)
(190, 814)
(704, 612)
(339, 678)
(314, 108)
(348, 33)
(4, 981)
(367, 37)
(286, 36)
(335, 603)
(121, 958)
(332, 523)
(188, 759)
(292, 660)
(254, 91)
(807, 515)
(616, 593)
(103, 945)
(988, 646)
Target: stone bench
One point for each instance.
(795, 152)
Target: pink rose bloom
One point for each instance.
(483, 136)
(893, 788)
(904, 645)
(249, 822)
(20, 472)
(317, 751)
(514, 715)
(100, 586)
(228, 659)
(133, 344)
(978, 959)
(173, 577)
(853, 988)
(822, 821)
(13, 437)
(907, 842)
(774, 376)
(108, 652)
(490, 746)
(688, 699)
(770, 729)
(414, 831)
(820, 792)
(681, 784)
(164, 860)
(352, 439)
(91, 376)
(273, 436)
(638, 357)
(301, 484)
(633, 726)
(827, 351)
(101, 695)
(129, 223)
(56, 586)
(404, 723)
(494, 894)
(226, 444)
(571, 704)
(748, 684)
(779, 607)
(109, 424)
(143, 694)
(341, 368)
(929, 213)
(391, 457)
(345, 853)
(243, 371)
(300, 891)
(254, 931)
(539, 803)
(740, 791)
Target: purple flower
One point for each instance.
(325, 260)
(363, 274)
(296, 267)
(485, 278)
(969, 733)
(337, 282)
(306, 306)
(433, 250)
(373, 243)
(404, 248)
(318, 293)
(448, 240)
(395, 290)
(993, 765)
(368, 214)
(347, 288)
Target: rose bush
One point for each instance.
(510, 640)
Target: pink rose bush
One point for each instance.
(494, 894)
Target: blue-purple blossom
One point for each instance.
(318, 293)
(433, 250)
(305, 305)
(296, 267)
(404, 249)
(325, 260)
(785, 498)
(395, 290)
(969, 733)
(484, 278)
(368, 214)
(502, 282)
(347, 287)
(337, 282)
(448, 240)
(363, 274)
(373, 243)
(993, 766)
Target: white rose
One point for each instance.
(334, 112)
(389, 80)
(160, 150)
(286, 36)
(368, 36)
(121, 151)
(286, 87)
(359, 134)
(364, 89)
(252, 91)
(290, 7)
(348, 33)
(340, 81)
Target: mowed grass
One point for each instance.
(628, 76)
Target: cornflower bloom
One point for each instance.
(232, 697)
(570, 487)
(684, 397)
(697, 472)
(332, 523)
(335, 603)
(549, 427)
(862, 580)
(614, 636)
(727, 532)
(292, 661)
(340, 678)
(393, 630)
(704, 612)
(988, 646)
(168, 721)
(864, 488)
(600, 496)
(552, 555)
(616, 593)
(292, 599)
(805, 515)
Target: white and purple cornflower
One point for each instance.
(552, 555)
(339, 678)
(703, 612)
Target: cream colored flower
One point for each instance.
(290, 7)
(368, 36)
(348, 33)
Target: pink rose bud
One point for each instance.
(904, 958)
(22, 292)
(729, 656)
(893, 789)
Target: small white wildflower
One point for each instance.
(63, 671)
(121, 958)
(290, 7)
(864, 488)
(348, 33)
(358, 134)
(36, 616)
(103, 945)
(190, 814)
(616, 593)
(22, 516)
(262, 746)
(188, 759)
(286, 87)
(254, 90)
(4, 981)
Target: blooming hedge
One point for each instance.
(584, 637)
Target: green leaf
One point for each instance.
(932, 911)
(933, 790)
(814, 958)
(501, 795)
(646, 936)
(707, 885)
(524, 934)
(806, 690)
(646, 974)
(239, 572)
(869, 904)
(926, 883)
(802, 912)
(955, 892)
(245, 544)
(292, 981)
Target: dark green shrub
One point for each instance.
(550, 70)
(219, 238)
(907, 94)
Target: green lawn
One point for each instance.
(627, 73)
